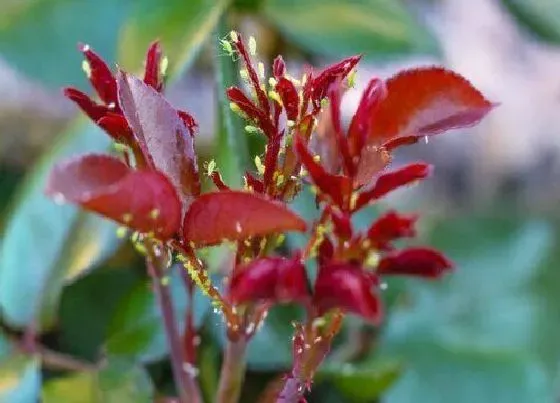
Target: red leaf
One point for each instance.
(421, 262)
(253, 183)
(319, 86)
(100, 76)
(342, 225)
(161, 133)
(143, 200)
(252, 111)
(152, 72)
(117, 127)
(390, 181)
(338, 188)
(427, 101)
(235, 215)
(270, 279)
(372, 97)
(389, 227)
(86, 104)
(290, 98)
(349, 288)
(373, 160)
(278, 67)
(189, 122)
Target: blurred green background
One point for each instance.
(490, 332)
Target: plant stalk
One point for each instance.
(186, 384)
(233, 371)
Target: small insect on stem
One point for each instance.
(227, 47)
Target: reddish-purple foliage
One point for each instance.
(157, 189)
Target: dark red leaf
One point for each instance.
(421, 262)
(325, 252)
(338, 188)
(189, 122)
(252, 74)
(100, 76)
(161, 133)
(335, 94)
(117, 127)
(278, 67)
(270, 279)
(320, 85)
(392, 180)
(290, 98)
(215, 217)
(424, 102)
(372, 161)
(389, 227)
(252, 111)
(358, 131)
(152, 71)
(86, 104)
(218, 181)
(253, 183)
(342, 224)
(349, 288)
(142, 200)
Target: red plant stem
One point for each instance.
(185, 383)
(233, 371)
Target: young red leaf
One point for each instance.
(389, 227)
(278, 67)
(142, 200)
(270, 279)
(234, 215)
(424, 102)
(100, 76)
(86, 104)
(338, 188)
(421, 262)
(373, 95)
(372, 161)
(290, 98)
(342, 224)
(319, 86)
(117, 127)
(189, 121)
(152, 70)
(390, 181)
(161, 133)
(348, 287)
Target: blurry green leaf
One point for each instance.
(541, 17)
(40, 37)
(181, 26)
(119, 382)
(87, 306)
(208, 366)
(231, 143)
(377, 28)
(43, 242)
(439, 374)
(20, 376)
(365, 382)
(486, 329)
(136, 327)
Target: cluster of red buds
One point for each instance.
(153, 188)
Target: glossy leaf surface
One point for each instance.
(234, 215)
(424, 102)
(143, 200)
